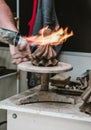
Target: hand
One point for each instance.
(22, 43)
(20, 55)
(47, 31)
(58, 36)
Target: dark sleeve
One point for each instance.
(50, 19)
(49, 15)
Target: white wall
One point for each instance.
(80, 62)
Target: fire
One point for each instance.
(54, 38)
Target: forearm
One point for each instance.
(7, 22)
(6, 17)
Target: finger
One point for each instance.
(56, 28)
(25, 59)
(29, 57)
(19, 60)
(28, 49)
(16, 56)
(21, 47)
(42, 30)
(16, 61)
(21, 54)
(22, 43)
(47, 32)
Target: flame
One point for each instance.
(54, 38)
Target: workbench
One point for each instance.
(44, 116)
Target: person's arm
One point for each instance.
(8, 31)
(6, 17)
(7, 22)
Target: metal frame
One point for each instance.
(18, 15)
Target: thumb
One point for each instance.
(56, 28)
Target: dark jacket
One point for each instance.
(46, 15)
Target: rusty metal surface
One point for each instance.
(44, 82)
(86, 97)
(45, 96)
(44, 55)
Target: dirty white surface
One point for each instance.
(60, 110)
(61, 67)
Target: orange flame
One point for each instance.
(54, 38)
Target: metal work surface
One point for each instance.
(60, 110)
(37, 96)
(61, 67)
